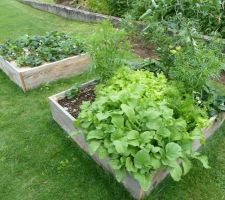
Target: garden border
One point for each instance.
(66, 121)
(28, 78)
(71, 13)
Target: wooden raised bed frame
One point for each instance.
(66, 121)
(28, 78)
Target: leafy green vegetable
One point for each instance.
(72, 92)
(136, 124)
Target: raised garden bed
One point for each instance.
(66, 121)
(31, 61)
(71, 13)
(28, 78)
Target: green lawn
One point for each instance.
(17, 19)
(38, 162)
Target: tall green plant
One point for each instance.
(194, 67)
(108, 48)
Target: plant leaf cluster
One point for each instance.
(208, 16)
(108, 48)
(73, 91)
(35, 50)
(189, 61)
(136, 124)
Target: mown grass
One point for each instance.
(38, 161)
(17, 19)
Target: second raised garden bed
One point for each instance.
(28, 78)
(31, 61)
(66, 121)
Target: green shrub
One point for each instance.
(208, 15)
(119, 7)
(107, 47)
(101, 6)
(135, 123)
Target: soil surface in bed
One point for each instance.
(73, 105)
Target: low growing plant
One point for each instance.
(35, 50)
(72, 92)
(135, 123)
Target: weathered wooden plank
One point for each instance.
(28, 78)
(66, 121)
(11, 71)
(34, 77)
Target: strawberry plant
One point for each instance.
(135, 123)
(35, 50)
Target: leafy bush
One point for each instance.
(208, 15)
(119, 7)
(135, 123)
(183, 57)
(101, 6)
(194, 67)
(35, 50)
(107, 48)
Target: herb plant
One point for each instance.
(108, 48)
(134, 123)
(33, 51)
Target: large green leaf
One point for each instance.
(173, 151)
(147, 136)
(142, 158)
(176, 173)
(102, 116)
(203, 159)
(115, 164)
(102, 152)
(196, 134)
(132, 135)
(130, 165)
(155, 163)
(186, 165)
(154, 124)
(144, 180)
(152, 113)
(164, 132)
(118, 121)
(95, 134)
(93, 146)
(134, 143)
(121, 146)
(129, 112)
(120, 174)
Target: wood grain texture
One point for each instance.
(11, 71)
(36, 76)
(28, 78)
(66, 121)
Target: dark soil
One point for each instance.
(73, 105)
(222, 78)
(143, 50)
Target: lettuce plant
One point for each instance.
(133, 123)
